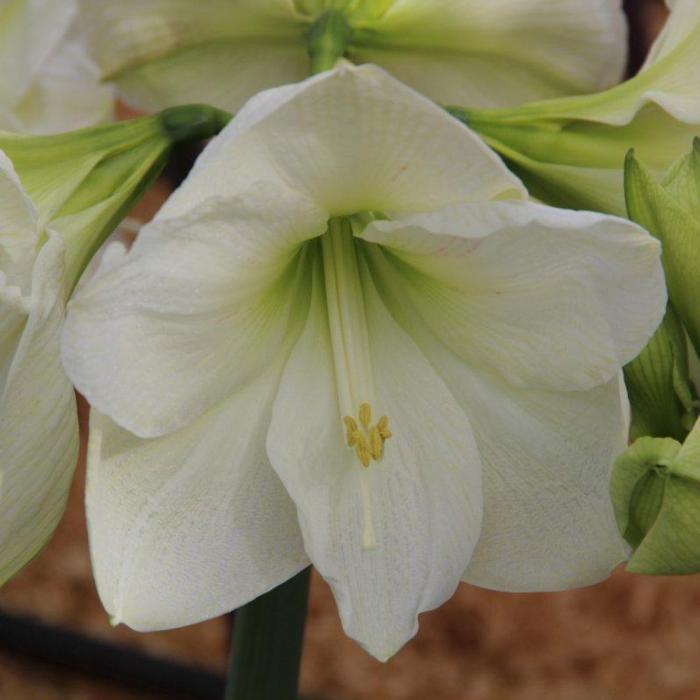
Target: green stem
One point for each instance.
(195, 122)
(268, 634)
(327, 40)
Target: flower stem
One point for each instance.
(327, 40)
(268, 634)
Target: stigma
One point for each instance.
(367, 439)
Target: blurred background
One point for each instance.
(628, 637)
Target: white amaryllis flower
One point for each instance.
(47, 82)
(479, 54)
(336, 343)
(38, 419)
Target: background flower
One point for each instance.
(47, 81)
(499, 53)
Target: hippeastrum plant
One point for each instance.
(570, 151)
(47, 81)
(480, 54)
(348, 338)
(60, 197)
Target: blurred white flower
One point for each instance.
(47, 82)
(571, 151)
(347, 339)
(479, 54)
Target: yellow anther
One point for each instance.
(383, 427)
(352, 430)
(365, 415)
(368, 440)
(376, 444)
(362, 450)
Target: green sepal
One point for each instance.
(667, 215)
(660, 391)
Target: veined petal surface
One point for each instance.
(500, 53)
(47, 83)
(64, 96)
(38, 421)
(199, 307)
(542, 297)
(30, 30)
(547, 457)
(392, 539)
(167, 52)
(353, 139)
(193, 524)
(19, 228)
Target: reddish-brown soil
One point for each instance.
(630, 637)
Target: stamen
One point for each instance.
(365, 414)
(362, 450)
(376, 444)
(367, 440)
(352, 430)
(383, 427)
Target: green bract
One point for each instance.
(83, 182)
(656, 495)
(570, 151)
(668, 210)
(660, 391)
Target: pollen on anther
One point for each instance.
(352, 430)
(368, 440)
(365, 415)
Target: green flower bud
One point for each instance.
(84, 182)
(658, 384)
(669, 211)
(655, 489)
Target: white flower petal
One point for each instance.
(200, 306)
(681, 24)
(668, 82)
(65, 95)
(38, 421)
(19, 230)
(547, 457)
(422, 500)
(30, 30)
(544, 297)
(353, 139)
(500, 53)
(167, 52)
(194, 524)
(548, 520)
